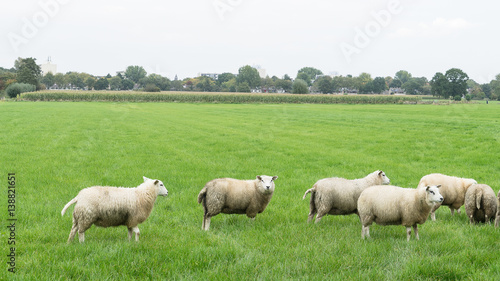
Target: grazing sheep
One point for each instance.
(113, 206)
(480, 203)
(497, 218)
(393, 205)
(338, 196)
(452, 189)
(232, 196)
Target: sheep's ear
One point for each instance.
(275, 177)
(259, 178)
(156, 182)
(380, 172)
(438, 186)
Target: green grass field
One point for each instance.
(56, 149)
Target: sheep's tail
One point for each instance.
(73, 201)
(202, 195)
(308, 191)
(479, 196)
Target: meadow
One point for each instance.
(57, 148)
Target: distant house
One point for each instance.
(210, 75)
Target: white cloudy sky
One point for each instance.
(192, 36)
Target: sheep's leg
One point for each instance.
(321, 213)
(206, 222)
(81, 236)
(471, 219)
(497, 220)
(365, 231)
(433, 216)
(72, 233)
(129, 230)
(135, 229)
(415, 229)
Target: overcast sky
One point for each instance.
(187, 37)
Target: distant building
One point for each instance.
(262, 71)
(210, 75)
(48, 67)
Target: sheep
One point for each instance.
(393, 205)
(497, 218)
(113, 206)
(480, 203)
(232, 196)
(338, 196)
(452, 188)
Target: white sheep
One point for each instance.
(338, 196)
(113, 206)
(480, 203)
(497, 218)
(452, 189)
(232, 196)
(393, 205)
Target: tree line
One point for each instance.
(454, 83)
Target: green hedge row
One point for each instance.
(214, 97)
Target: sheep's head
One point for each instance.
(162, 190)
(266, 184)
(433, 195)
(384, 179)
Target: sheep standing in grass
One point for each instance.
(497, 218)
(452, 189)
(338, 196)
(480, 203)
(113, 206)
(232, 196)
(393, 205)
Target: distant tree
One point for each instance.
(286, 77)
(205, 84)
(403, 76)
(175, 85)
(249, 75)
(115, 83)
(27, 71)
(135, 73)
(127, 84)
(378, 85)
(229, 86)
(109, 76)
(486, 88)
(48, 80)
(224, 77)
(89, 82)
(60, 80)
(159, 81)
(284, 84)
(439, 85)
(324, 84)
(457, 82)
(395, 83)
(101, 84)
(495, 88)
(243, 87)
(308, 74)
(268, 84)
(75, 80)
(300, 87)
(412, 87)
